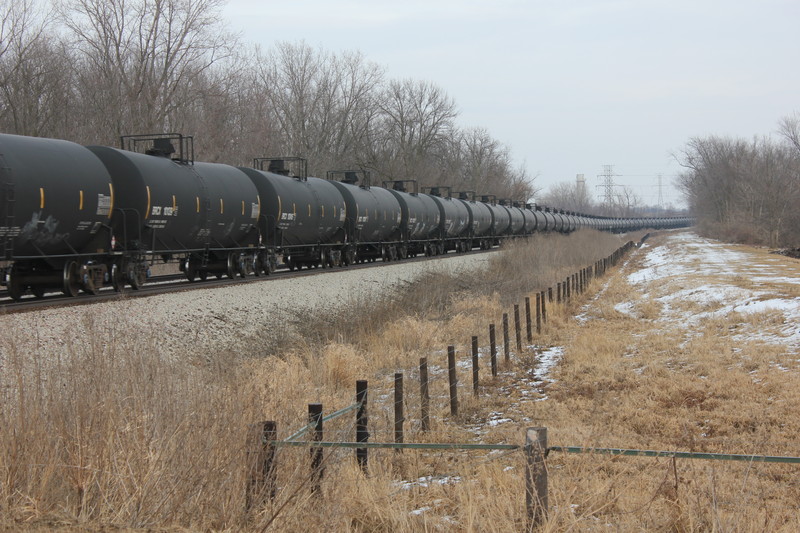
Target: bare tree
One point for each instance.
(324, 104)
(138, 56)
(34, 71)
(417, 124)
(789, 128)
(569, 195)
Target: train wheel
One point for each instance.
(203, 275)
(15, 288)
(87, 281)
(117, 278)
(137, 276)
(70, 285)
(190, 270)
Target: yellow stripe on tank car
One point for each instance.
(111, 192)
(80, 203)
(322, 211)
(41, 197)
(242, 207)
(147, 213)
(197, 199)
(280, 208)
(221, 207)
(174, 203)
(258, 215)
(309, 210)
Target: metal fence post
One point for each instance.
(425, 397)
(398, 408)
(451, 372)
(493, 348)
(475, 366)
(315, 420)
(362, 433)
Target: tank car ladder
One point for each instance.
(7, 202)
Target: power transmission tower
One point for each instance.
(608, 183)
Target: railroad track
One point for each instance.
(168, 283)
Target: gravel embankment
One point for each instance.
(211, 320)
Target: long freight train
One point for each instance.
(75, 218)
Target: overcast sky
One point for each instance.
(568, 85)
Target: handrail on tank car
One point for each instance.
(393, 185)
(277, 165)
(436, 191)
(158, 144)
(351, 177)
(465, 195)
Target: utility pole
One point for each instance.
(660, 192)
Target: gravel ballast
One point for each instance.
(207, 321)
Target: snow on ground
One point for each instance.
(719, 281)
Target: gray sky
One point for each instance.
(571, 86)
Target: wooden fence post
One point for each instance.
(539, 314)
(506, 341)
(517, 328)
(475, 366)
(315, 420)
(424, 394)
(261, 480)
(528, 321)
(549, 294)
(544, 310)
(451, 372)
(493, 348)
(535, 477)
(398, 409)
(362, 418)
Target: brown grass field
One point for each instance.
(113, 436)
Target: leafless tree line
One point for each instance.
(577, 197)
(746, 191)
(92, 70)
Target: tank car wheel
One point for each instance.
(15, 288)
(137, 275)
(203, 275)
(88, 285)
(117, 278)
(70, 285)
(190, 270)
(232, 267)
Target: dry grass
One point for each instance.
(113, 436)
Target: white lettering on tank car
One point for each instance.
(103, 204)
(156, 211)
(254, 210)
